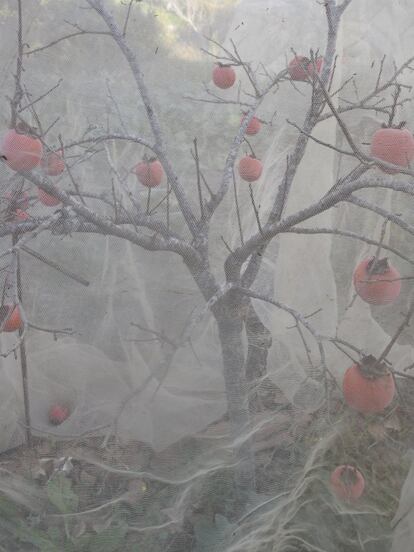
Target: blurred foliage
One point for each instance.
(198, 14)
(19, 528)
(61, 495)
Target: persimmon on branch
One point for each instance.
(154, 122)
(294, 160)
(336, 196)
(155, 125)
(103, 225)
(229, 301)
(155, 242)
(306, 133)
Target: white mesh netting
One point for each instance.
(162, 440)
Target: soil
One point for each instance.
(132, 485)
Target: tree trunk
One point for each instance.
(230, 314)
(230, 325)
(260, 340)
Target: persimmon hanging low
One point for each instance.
(47, 199)
(376, 281)
(393, 145)
(253, 127)
(250, 168)
(13, 319)
(58, 413)
(21, 152)
(53, 164)
(149, 173)
(368, 386)
(301, 68)
(347, 483)
(224, 76)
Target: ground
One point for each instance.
(76, 495)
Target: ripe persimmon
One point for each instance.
(149, 173)
(368, 386)
(13, 319)
(393, 145)
(347, 483)
(22, 152)
(250, 168)
(47, 199)
(58, 413)
(377, 282)
(53, 164)
(253, 127)
(301, 68)
(224, 76)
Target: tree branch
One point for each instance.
(364, 204)
(107, 226)
(347, 234)
(72, 35)
(217, 198)
(378, 89)
(343, 6)
(335, 196)
(160, 147)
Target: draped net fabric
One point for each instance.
(109, 371)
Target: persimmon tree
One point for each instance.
(229, 299)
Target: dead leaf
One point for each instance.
(377, 431)
(393, 423)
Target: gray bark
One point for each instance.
(230, 326)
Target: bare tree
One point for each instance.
(229, 301)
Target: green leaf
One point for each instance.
(61, 495)
(37, 538)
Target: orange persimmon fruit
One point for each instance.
(368, 386)
(21, 152)
(376, 281)
(224, 76)
(347, 483)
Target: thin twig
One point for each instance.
(124, 28)
(229, 249)
(54, 331)
(22, 346)
(256, 212)
(395, 97)
(67, 37)
(397, 334)
(54, 265)
(41, 97)
(347, 234)
(236, 201)
(200, 195)
(377, 84)
(18, 91)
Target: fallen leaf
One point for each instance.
(377, 431)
